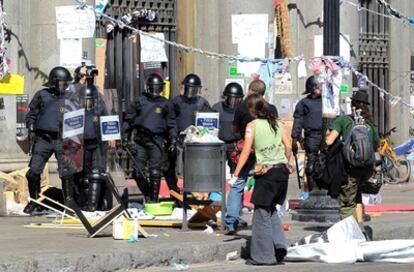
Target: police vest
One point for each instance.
(51, 112)
(226, 120)
(185, 110)
(312, 118)
(152, 116)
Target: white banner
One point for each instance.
(153, 50)
(73, 23)
(110, 128)
(73, 123)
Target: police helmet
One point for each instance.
(233, 94)
(59, 79)
(88, 95)
(192, 85)
(155, 85)
(310, 84)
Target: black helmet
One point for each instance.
(192, 80)
(233, 89)
(59, 78)
(88, 96)
(233, 94)
(155, 85)
(310, 84)
(192, 85)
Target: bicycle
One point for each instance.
(394, 168)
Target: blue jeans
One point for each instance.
(234, 203)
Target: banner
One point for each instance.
(73, 123)
(110, 128)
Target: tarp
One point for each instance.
(348, 245)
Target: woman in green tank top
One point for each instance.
(273, 150)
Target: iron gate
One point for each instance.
(124, 71)
(374, 58)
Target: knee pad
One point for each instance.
(32, 177)
(155, 173)
(96, 176)
(309, 168)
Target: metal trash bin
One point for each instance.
(204, 171)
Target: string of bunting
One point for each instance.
(284, 63)
(392, 13)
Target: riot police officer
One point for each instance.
(308, 119)
(44, 121)
(94, 162)
(152, 118)
(185, 107)
(233, 97)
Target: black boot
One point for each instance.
(143, 186)
(34, 190)
(67, 188)
(94, 195)
(155, 190)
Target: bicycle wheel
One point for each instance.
(399, 174)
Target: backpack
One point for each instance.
(235, 154)
(358, 148)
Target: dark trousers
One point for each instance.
(149, 153)
(312, 146)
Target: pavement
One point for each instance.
(64, 250)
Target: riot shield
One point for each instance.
(73, 123)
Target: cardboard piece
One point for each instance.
(100, 60)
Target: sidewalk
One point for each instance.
(28, 249)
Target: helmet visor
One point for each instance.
(88, 102)
(155, 90)
(234, 102)
(192, 91)
(62, 86)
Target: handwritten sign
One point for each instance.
(73, 23)
(110, 128)
(153, 50)
(250, 26)
(73, 123)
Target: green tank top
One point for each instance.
(268, 145)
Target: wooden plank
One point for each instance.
(53, 226)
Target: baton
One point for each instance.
(137, 165)
(297, 170)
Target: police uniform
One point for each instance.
(226, 134)
(185, 110)
(152, 118)
(94, 162)
(308, 117)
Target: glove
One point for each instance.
(32, 133)
(172, 149)
(125, 143)
(295, 147)
(233, 180)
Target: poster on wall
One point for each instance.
(249, 26)
(70, 52)
(153, 50)
(22, 107)
(74, 23)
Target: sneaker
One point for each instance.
(230, 232)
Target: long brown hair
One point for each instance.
(260, 109)
(364, 110)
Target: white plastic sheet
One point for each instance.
(347, 244)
